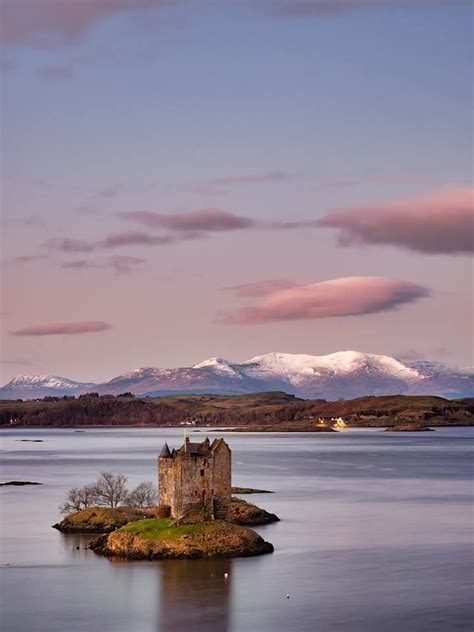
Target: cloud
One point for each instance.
(67, 244)
(133, 239)
(201, 220)
(259, 288)
(222, 186)
(116, 240)
(24, 259)
(46, 22)
(119, 264)
(438, 222)
(17, 362)
(53, 329)
(339, 297)
(58, 21)
(80, 264)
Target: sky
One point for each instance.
(182, 180)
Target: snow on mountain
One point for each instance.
(294, 366)
(345, 374)
(38, 386)
(47, 381)
(219, 365)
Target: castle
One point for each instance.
(196, 475)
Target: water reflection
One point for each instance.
(76, 545)
(184, 603)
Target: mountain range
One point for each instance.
(341, 375)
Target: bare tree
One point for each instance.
(110, 490)
(79, 498)
(144, 495)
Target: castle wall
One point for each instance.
(196, 487)
(167, 482)
(187, 479)
(222, 481)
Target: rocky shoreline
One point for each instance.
(134, 533)
(157, 539)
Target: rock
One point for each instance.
(157, 539)
(19, 483)
(249, 490)
(244, 513)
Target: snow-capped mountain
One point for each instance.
(346, 374)
(33, 386)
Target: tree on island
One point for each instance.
(110, 490)
(144, 495)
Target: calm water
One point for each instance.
(376, 534)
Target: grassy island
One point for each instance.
(159, 539)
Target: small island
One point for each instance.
(161, 538)
(19, 483)
(410, 427)
(196, 516)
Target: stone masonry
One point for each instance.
(197, 474)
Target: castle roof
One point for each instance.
(205, 448)
(165, 451)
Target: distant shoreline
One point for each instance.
(213, 429)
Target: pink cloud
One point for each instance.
(119, 264)
(438, 222)
(79, 264)
(67, 244)
(259, 288)
(53, 329)
(117, 240)
(24, 259)
(201, 220)
(339, 297)
(134, 239)
(58, 20)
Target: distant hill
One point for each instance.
(275, 409)
(346, 374)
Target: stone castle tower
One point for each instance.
(197, 474)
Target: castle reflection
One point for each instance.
(195, 595)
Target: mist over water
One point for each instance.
(376, 534)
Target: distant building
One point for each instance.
(196, 475)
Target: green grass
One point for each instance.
(160, 529)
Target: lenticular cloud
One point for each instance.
(439, 222)
(51, 329)
(338, 297)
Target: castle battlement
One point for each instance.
(196, 473)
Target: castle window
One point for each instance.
(202, 472)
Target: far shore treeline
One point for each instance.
(275, 410)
